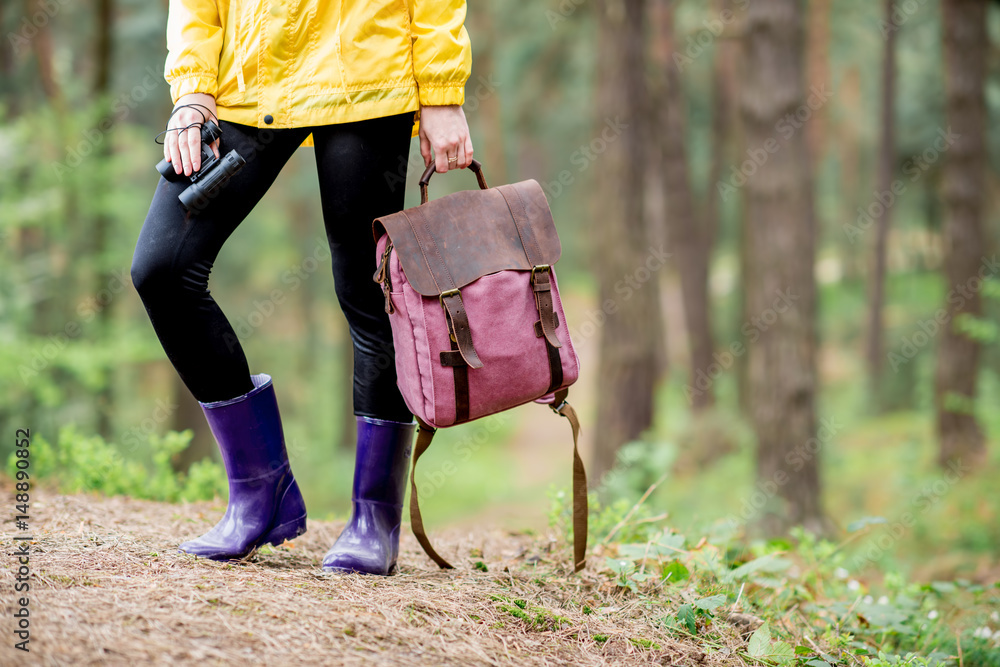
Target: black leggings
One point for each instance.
(362, 168)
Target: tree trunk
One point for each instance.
(886, 161)
(689, 238)
(101, 223)
(781, 292)
(851, 166)
(965, 50)
(818, 68)
(629, 294)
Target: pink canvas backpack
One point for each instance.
(477, 322)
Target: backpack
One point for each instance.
(477, 322)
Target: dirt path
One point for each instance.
(108, 587)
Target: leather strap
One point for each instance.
(560, 406)
(454, 359)
(425, 434)
(541, 284)
(555, 368)
(524, 229)
(450, 298)
(541, 274)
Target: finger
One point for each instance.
(425, 149)
(175, 152)
(468, 151)
(461, 162)
(193, 137)
(215, 148)
(441, 158)
(182, 148)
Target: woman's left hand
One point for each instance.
(444, 130)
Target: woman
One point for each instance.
(347, 78)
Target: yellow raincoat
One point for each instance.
(300, 63)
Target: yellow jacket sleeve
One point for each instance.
(194, 43)
(442, 54)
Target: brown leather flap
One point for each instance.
(473, 233)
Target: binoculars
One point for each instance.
(214, 173)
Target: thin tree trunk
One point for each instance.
(850, 169)
(818, 67)
(631, 332)
(781, 294)
(42, 43)
(689, 238)
(100, 230)
(887, 154)
(965, 50)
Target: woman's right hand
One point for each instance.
(183, 148)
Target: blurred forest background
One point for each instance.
(778, 220)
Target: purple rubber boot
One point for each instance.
(370, 542)
(265, 506)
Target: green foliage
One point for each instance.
(80, 463)
(761, 648)
(876, 617)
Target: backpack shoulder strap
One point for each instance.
(425, 434)
(561, 407)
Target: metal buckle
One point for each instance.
(558, 408)
(445, 294)
(441, 297)
(540, 267)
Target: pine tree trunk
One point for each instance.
(781, 290)
(689, 238)
(887, 155)
(965, 49)
(101, 223)
(629, 294)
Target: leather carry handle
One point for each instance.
(476, 167)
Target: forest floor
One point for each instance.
(107, 586)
